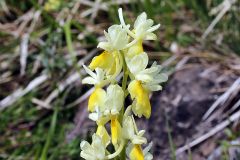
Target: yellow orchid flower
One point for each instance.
(107, 61)
(107, 110)
(150, 77)
(117, 39)
(143, 27)
(131, 132)
(110, 106)
(96, 99)
(141, 104)
(114, 100)
(107, 66)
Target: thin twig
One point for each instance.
(234, 117)
(226, 7)
(24, 53)
(223, 98)
(17, 94)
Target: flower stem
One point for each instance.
(124, 88)
(125, 73)
(111, 156)
(124, 84)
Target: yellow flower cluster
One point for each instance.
(123, 52)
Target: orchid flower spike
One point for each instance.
(122, 54)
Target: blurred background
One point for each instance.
(43, 45)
